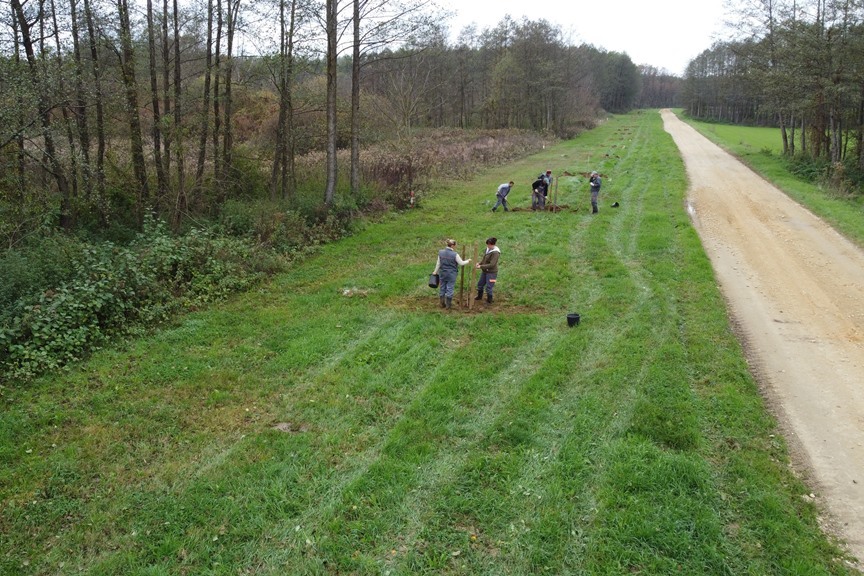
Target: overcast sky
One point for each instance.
(663, 33)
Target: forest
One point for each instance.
(112, 110)
(796, 65)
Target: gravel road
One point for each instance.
(795, 291)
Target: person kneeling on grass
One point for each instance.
(447, 268)
(488, 266)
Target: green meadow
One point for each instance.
(337, 421)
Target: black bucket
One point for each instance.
(573, 320)
(433, 280)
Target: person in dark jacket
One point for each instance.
(538, 193)
(447, 268)
(488, 267)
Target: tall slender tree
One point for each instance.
(331, 29)
(127, 67)
(44, 108)
(205, 101)
(156, 130)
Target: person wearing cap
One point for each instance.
(447, 268)
(488, 267)
(501, 194)
(595, 181)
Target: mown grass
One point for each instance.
(761, 149)
(336, 421)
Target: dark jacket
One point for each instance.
(539, 185)
(489, 262)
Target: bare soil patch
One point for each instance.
(793, 286)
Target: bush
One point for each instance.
(808, 168)
(111, 290)
(36, 266)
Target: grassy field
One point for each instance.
(761, 149)
(336, 421)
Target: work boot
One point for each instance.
(489, 299)
(441, 298)
(449, 303)
(479, 294)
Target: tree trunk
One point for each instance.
(80, 109)
(68, 208)
(43, 107)
(180, 206)
(166, 90)
(154, 95)
(127, 67)
(19, 139)
(281, 86)
(228, 135)
(331, 28)
(205, 105)
(217, 118)
(859, 141)
(785, 136)
(355, 105)
(100, 112)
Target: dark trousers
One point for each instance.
(487, 281)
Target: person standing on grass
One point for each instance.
(503, 191)
(447, 268)
(595, 181)
(488, 267)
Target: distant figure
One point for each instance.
(503, 191)
(447, 268)
(488, 267)
(538, 193)
(595, 182)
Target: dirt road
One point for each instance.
(795, 290)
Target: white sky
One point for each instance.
(662, 33)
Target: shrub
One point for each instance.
(808, 168)
(114, 290)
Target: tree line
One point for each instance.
(799, 67)
(112, 111)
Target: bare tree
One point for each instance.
(44, 108)
(127, 67)
(332, 29)
(156, 130)
(180, 204)
(282, 176)
(205, 101)
(100, 108)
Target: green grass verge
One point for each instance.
(762, 150)
(336, 421)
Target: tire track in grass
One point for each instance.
(654, 458)
(549, 532)
(223, 475)
(354, 513)
(483, 484)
